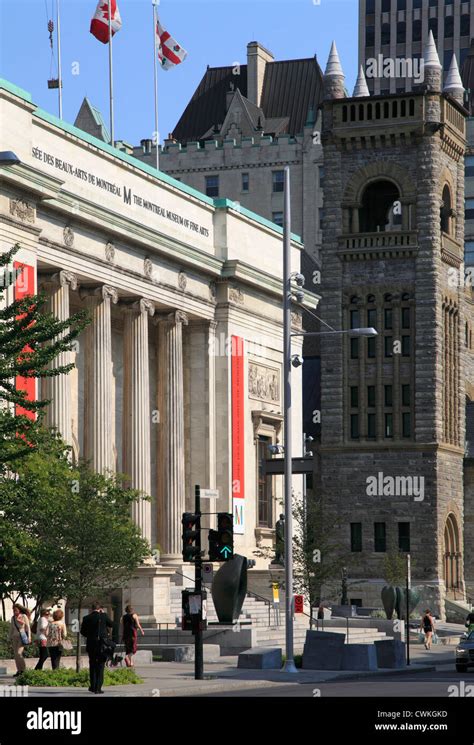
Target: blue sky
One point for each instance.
(214, 32)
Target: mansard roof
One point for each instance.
(290, 89)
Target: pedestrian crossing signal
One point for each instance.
(221, 541)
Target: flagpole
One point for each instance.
(155, 73)
(58, 24)
(111, 82)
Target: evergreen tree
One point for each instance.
(30, 339)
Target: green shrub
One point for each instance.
(68, 677)
(298, 660)
(6, 649)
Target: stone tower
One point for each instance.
(393, 406)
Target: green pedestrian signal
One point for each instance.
(221, 541)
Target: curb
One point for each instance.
(274, 683)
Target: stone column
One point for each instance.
(200, 350)
(98, 435)
(171, 489)
(57, 388)
(136, 407)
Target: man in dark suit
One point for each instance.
(94, 628)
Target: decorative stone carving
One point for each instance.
(296, 319)
(212, 291)
(264, 383)
(103, 292)
(110, 252)
(68, 236)
(182, 281)
(148, 268)
(23, 210)
(236, 295)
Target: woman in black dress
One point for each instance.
(131, 624)
(427, 627)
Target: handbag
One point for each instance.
(23, 635)
(435, 638)
(421, 637)
(66, 645)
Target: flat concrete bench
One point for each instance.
(142, 657)
(359, 657)
(323, 650)
(261, 658)
(390, 653)
(185, 652)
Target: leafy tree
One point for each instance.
(66, 530)
(394, 566)
(317, 554)
(30, 339)
(102, 546)
(34, 506)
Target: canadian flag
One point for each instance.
(100, 21)
(170, 53)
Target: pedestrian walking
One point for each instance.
(427, 626)
(42, 637)
(131, 625)
(57, 634)
(470, 621)
(20, 635)
(94, 627)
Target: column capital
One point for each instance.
(206, 324)
(101, 293)
(173, 318)
(60, 279)
(138, 305)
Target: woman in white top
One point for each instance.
(41, 637)
(20, 635)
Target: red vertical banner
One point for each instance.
(238, 433)
(25, 285)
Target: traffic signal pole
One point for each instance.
(198, 635)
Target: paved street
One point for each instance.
(430, 684)
(430, 675)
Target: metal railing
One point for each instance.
(270, 606)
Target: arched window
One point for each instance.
(377, 212)
(446, 210)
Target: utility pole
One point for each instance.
(289, 665)
(198, 636)
(408, 607)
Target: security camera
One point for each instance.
(296, 360)
(299, 279)
(299, 296)
(276, 449)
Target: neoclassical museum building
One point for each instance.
(178, 377)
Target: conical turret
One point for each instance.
(453, 84)
(334, 76)
(361, 88)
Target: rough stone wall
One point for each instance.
(346, 464)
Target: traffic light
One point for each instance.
(221, 541)
(191, 536)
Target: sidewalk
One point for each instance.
(177, 679)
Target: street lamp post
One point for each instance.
(288, 361)
(289, 665)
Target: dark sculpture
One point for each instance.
(280, 541)
(229, 589)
